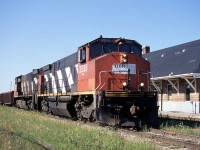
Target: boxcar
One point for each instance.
(6, 98)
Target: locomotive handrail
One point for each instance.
(100, 79)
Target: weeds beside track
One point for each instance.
(20, 129)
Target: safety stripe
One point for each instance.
(61, 81)
(53, 83)
(69, 76)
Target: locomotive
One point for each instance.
(106, 81)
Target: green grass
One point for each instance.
(181, 128)
(20, 129)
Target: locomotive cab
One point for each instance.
(112, 64)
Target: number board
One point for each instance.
(123, 68)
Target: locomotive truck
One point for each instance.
(106, 81)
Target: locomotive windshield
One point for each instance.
(102, 48)
(130, 49)
(99, 49)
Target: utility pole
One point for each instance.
(10, 85)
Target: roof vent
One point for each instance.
(162, 55)
(191, 61)
(183, 50)
(177, 53)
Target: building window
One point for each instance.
(169, 90)
(187, 92)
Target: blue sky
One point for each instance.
(34, 33)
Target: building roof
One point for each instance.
(176, 60)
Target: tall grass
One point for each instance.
(20, 129)
(180, 127)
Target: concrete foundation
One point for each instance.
(187, 106)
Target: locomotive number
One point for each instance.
(120, 66)
(83, 68)
(124, 68)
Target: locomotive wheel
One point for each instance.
(29, 105)
(80, 116)
(92, 118)
(45, 106)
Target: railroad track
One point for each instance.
(186, 137)
(171, 140)
(176, 140)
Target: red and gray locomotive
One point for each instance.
(106, 80)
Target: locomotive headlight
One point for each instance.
(142, 84)
(124, 55)
(124, 60)
(124, 83)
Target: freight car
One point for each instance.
(106, 80)
(6, 98)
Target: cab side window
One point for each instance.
(82, 55)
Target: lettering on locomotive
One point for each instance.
(83, 68)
